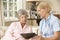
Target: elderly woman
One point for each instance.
(49, 25)
(17, 28)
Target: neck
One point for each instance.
(22, 24)
(46, 16)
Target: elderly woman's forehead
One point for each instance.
(23, 16)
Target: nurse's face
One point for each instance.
(41, 12)
(23, 19)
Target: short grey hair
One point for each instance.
(22, 12)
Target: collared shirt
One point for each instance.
(49, 26)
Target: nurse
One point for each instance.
(49, 25)
(17, 28)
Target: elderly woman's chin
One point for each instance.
(24, 22)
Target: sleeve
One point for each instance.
(30, 29)
(56, 26)
(10, 29)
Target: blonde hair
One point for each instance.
(44, 5)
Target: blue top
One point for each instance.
(49, 26)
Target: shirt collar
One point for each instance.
(49, 17)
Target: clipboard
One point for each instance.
(28, 35)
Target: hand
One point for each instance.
(39, 38)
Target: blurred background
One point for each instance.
(9, 8)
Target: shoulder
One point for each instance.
(29, 27)
(14, 23)
(54, 19)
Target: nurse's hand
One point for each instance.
(37, 38)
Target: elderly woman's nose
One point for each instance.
(24, 18)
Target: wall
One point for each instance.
(21, 4)
(0, 14)
(55, 5)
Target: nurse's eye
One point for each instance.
(38, 10)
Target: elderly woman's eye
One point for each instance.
(22, 17)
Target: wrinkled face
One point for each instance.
(23, 19)
(41, 12)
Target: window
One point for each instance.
(10, 9)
